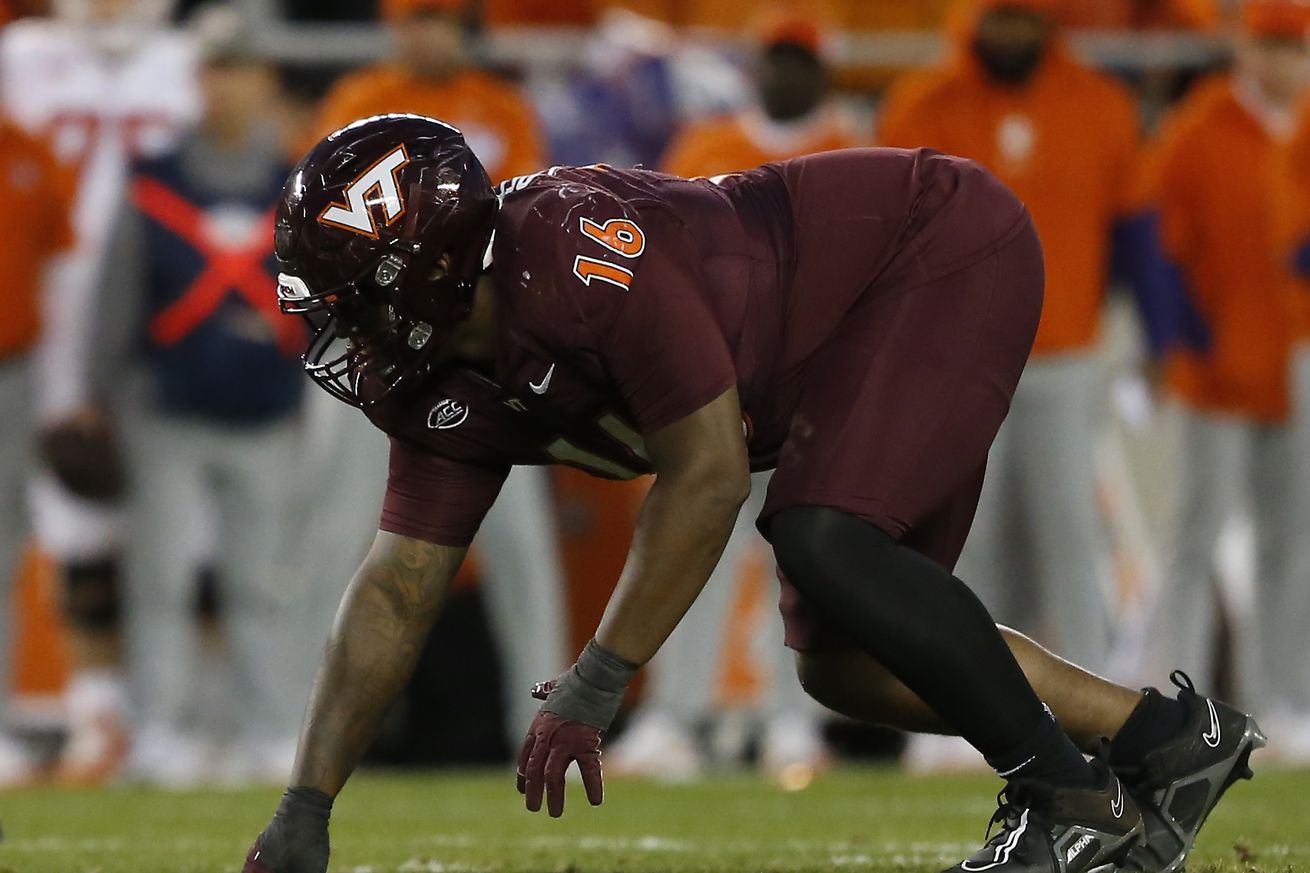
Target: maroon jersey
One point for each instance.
(628, 299)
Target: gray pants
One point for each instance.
(15, 464)
(518, 547)
(238, 480)
(1230, 467)
(683, 674)
(1036, 554)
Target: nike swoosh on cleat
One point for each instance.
(1117, 805)
(1001, 855)
(1214, 735)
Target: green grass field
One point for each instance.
(854, 820)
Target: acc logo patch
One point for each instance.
(376, 187)
(447, 414)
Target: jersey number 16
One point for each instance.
(618, 235)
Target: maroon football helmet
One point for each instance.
(381, 234)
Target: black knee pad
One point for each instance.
(92, 600)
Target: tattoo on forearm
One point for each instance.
(384, 621)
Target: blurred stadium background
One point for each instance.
(1150, 509)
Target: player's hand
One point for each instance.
(579, 706)
(552, 744)
(82, 452)
(296, 841)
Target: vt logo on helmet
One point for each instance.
(381, 182)
(381, 233)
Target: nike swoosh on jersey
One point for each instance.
(540, 388)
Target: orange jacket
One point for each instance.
(497, 122)
(746, 140)
(1213, 176)
(35, 225)
(1066, 144)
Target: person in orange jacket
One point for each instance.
(792, 117)
(1064, 137)
(432, 74)
(36, 227)
(1228, 363)
(518, 550)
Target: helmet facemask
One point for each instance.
(392, 325)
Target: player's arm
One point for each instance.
(702, 477)
(384, 619)
(380, 628)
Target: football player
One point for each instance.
(431, 71)
(856, 320)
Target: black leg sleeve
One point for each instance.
(915, 618)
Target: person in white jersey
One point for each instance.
(105, 81)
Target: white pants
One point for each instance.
(1037, 553)
(237, 479)
(15, 463)
(1229, 469)
(344, 481)
(683, 675)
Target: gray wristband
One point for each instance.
(592, 690)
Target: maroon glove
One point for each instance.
(579, 707)
(551, 746)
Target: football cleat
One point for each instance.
(1181, 781)
(1051, 829)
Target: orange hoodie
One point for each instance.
(1066, 144)
(1213, 175)
(497, 122)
